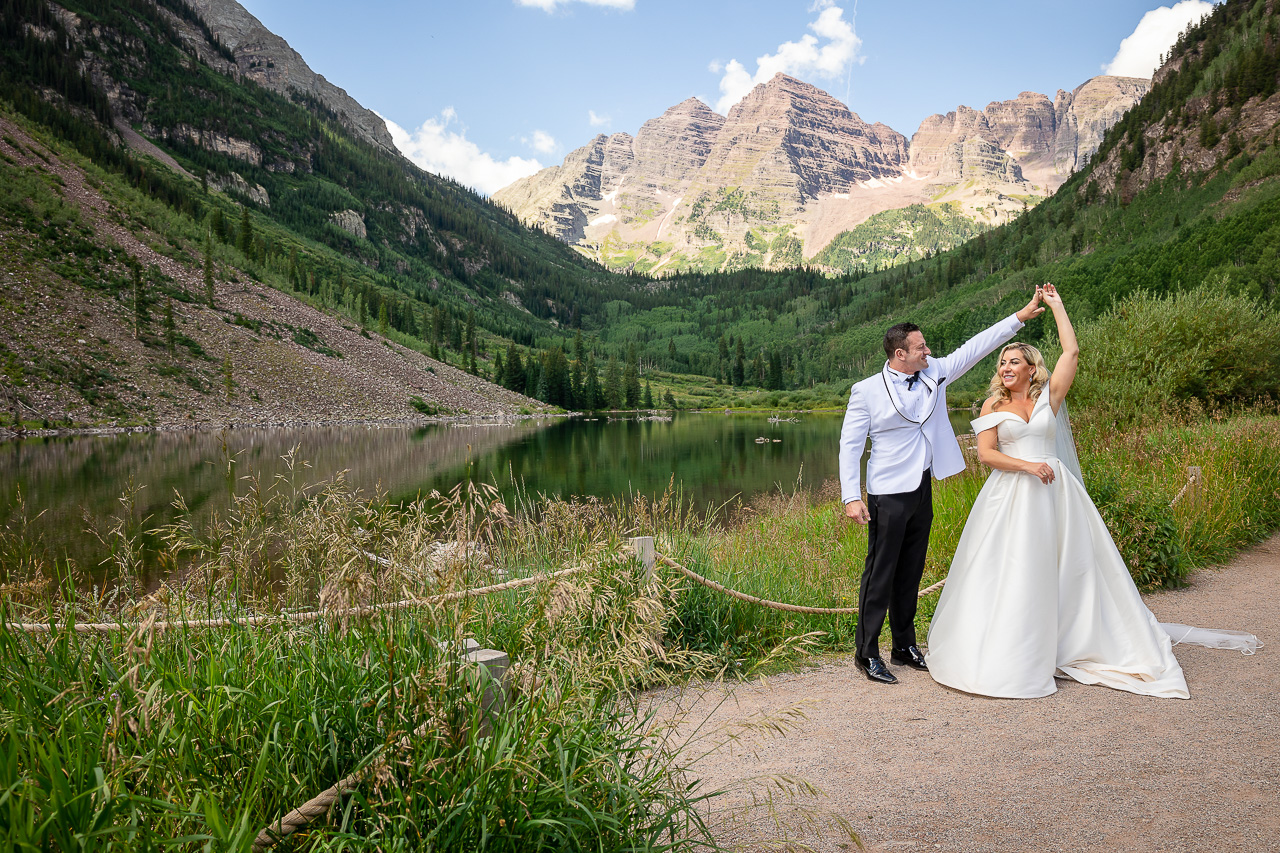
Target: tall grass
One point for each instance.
(197, 739)
(1166, 526)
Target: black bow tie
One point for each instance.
(912, 380)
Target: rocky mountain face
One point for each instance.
(791, 167)
(670, 149)
(793, 139)
(267, 59)
(1049, 139)
(562, 198)
(1086, 113)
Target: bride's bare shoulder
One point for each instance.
(992, 404)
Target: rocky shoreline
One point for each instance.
(8, 434)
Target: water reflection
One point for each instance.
(712, 457)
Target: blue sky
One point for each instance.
(489, 90)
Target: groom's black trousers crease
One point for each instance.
(897, 543)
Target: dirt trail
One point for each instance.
(920, 767)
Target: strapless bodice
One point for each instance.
(1031, 439)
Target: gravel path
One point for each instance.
(920, 767)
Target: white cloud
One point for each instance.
(542, 142)
(1139, 54)
(550, 5)
(827, 53)
(446, 151)
(597, 120)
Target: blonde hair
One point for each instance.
(1039, 376)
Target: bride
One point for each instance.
(1037, 587)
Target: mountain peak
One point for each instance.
(269, 61)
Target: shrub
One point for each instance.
(423, 406)
(1199, 349)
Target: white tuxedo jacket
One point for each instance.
(899, 444)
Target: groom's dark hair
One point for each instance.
(896, 338)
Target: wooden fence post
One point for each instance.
(646, 553)
(488, 675)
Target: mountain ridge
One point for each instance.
(779, 171)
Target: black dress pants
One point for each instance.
(897, 543)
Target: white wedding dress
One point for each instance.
(1038, 588)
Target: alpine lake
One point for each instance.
(68, 487)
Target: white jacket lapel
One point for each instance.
(932, 402)
(891, 388)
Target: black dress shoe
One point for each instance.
(910, 656)
(874, 669)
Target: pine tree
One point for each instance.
(613, 393)
(472, 345)
(775, 370)
(593, 394)
(218, 225)
(532, 375)
(438, 324)
(513, 375)
(631, 378)
(648, 395)
(455, 333)
(170, 328)
(245, 240)
(208, 269)
(553, 384)
(739, 365)
(669, 399)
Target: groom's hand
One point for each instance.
(1032, 308)
(857, 511)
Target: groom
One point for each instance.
(903, 408)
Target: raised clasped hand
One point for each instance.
(1050, 295)
(1032, 308)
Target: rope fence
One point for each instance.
(294, 618)
(772, 605)
(644, 551)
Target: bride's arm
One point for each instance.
(989, 454)
(1064, 372)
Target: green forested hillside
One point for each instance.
(1183, 192)
(892, 237)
